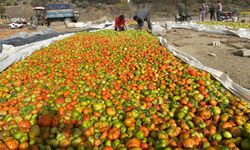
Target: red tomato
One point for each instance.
(24, 124)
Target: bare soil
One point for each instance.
(5, 32)
(226, 59)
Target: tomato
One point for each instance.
(114, 133)
(217, 137)
(133, 143)
(139, 135)
(192, 72)
(227, 134)
(145, 131)
(111, 111)
(198, 97)
(212, 102)
(45, 120)
(144, 146)
(189, 143)
(108, 148)
(205, 114)
(129, 122)
(216, 110)
(236, 131)
(55, 122)
(60, 101)
(25, 124)
(12, 144)
(24, 146)
(34, 131)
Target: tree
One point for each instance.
(2, 9)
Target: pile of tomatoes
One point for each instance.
(116, 90)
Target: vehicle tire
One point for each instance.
(67, 20)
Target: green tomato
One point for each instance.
(217, 137)
(108, 103)
(139, 135)
(198, 97)
(115, 143)
(180, 115)
(190, 124)
(24, 138)
(108, 143)
(161, 144)
(98, 106)
(123, 129)
(86, 124)
(216, 110)
(206, 145)
(76, 115)
(227, 134)
(202, 125)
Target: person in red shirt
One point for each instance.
(120, 23)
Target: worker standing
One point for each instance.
(141, 17)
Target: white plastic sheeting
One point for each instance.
(220, 76)
(106, 25)
(12, 54)
(243, 33)
(158, 30)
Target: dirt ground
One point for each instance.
(5, 32)
(56, 26)
(224, 58)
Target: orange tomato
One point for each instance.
(133, 143)
(12, 144)
(25, 124)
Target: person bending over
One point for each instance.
(141, 17)
(120, 23)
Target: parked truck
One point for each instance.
(61, 12)
(54, 12)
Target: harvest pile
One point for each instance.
(235, 25)
(116, 90)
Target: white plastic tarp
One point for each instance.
(243, 33)
(106, 25)
(12, 54)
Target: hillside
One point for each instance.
(94, 9)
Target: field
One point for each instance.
(116, 90)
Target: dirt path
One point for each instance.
(198, 44)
